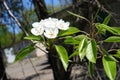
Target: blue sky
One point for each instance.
(27, 4)
(55, 2)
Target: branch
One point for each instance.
(100, 6)
(10, 13)
(20, 26)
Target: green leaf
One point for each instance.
(24, 52)
(32, 37)
(101, 30)
(74, 54)
(91, 51)
(91, 68)
(117, 54)
(63, 55)
(80, 37)
(71, 40)
(112, 39)
(107, 19)
(113, 30)
(71, 30)
(82, 48)
(117, 30)
(78, 16)
(74, 40)
(109, 66)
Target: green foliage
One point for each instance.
(112, 39)
(63, 55)
(103, 28)
(117, 54)
(85, 45)
(32, 37)
(91, 51)
(71, 30)
(78, 16)
(82, 48)
(107, 19)
(109, 64)
(24, 52)
(91, 68)
(5, 37)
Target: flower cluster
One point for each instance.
(49, 27)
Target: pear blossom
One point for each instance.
(63, 25)
(51, 32)
(49, 27)
(50, 23)
(37, 29)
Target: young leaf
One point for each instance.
(113, 30)
(80, 37)
(32, 37)
(107, 19)
(91, 68)
(74, 54)
(82, 48)
(71, 40)
(112, 39)
(109, 66)
(63, 55)
(91, 51)
(78, 16)
(117, 54)
(24, 52)
(101, 30)
(71, 30)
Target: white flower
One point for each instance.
(49, 23)
(49, 27)
(51, 33)
(37, 29)
(63, 25)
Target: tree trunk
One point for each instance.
(40, 9)
(57, 67)
(2, 67)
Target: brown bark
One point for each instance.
(2, 67)
(40, 9)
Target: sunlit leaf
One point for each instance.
(112, 39)
(71, 40)
(80, 37)
(113, 30)
(71, 30)
(109, 66)
(32, 37)
(117, 54)
(101, 30)
(24, 52)
(107, 19)
(82, 48)
(63, 55)
(91, 51)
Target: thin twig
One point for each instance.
(100, 6)
(10, 13)
(17, 21)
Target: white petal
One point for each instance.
(49, 22)
(37, 31)
(63, 25)
(51, 33)
(34, 32)
(36, 24)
